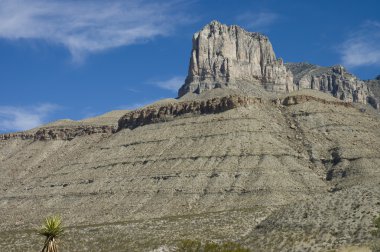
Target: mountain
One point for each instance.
(229, 56)
(239, 156)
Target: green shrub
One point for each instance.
(197, 246)
(376, 223)
(190, 246)
(51, 229)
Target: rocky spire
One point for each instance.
(227, 56)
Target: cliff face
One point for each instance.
(60, 133)
(229, 57)
(334, 80)
(155, 114)
(224, 55)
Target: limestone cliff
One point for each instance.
(227, 56)
(334, 80)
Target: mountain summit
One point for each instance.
(230, 57)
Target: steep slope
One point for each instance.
(257, 156)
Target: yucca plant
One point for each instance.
(51, 229)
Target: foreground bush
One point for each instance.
(51, 229)
(197, 246)
(376, 223)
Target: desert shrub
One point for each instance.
(51, 229)
(190, 246)
(197, 246)
(376, 223)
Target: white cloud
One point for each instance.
(23, 118)
(172, 84)
(362, 46)
(258, 20)
(89, 26)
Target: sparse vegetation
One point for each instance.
(197, 246)
(51, 229)
(376, 223)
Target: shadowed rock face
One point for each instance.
(159, 113)
(224, 55)
(155, 114)
(374, 86)
(70, 133)
(60, 133)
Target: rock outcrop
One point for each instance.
(155, 114)
(69, 133)
(17, 135)
(60, 133)
(167, 112)
(228, 56)
(67, 130)
(334, 80)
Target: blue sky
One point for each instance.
(77, 59)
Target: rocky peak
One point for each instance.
(334, 80)
(228, 56)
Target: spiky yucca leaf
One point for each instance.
(52, 227)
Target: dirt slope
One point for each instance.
(234, 175)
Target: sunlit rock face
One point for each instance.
(334, 80)
(228, 56)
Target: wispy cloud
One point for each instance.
(257, 20)
(172, 84)
(90, 26)
(362, 46)
(23, 118)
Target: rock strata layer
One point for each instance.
(225, 56)
(60, 133)
(167, 112)
(69, 133)
(161, 113)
